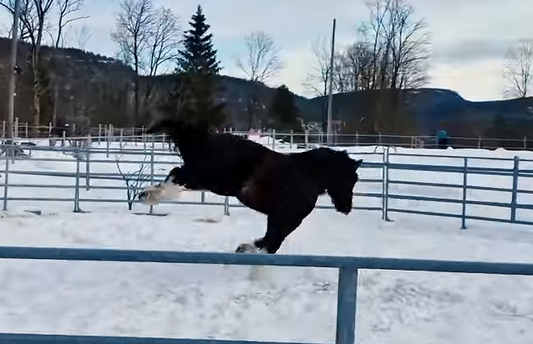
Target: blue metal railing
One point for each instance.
(391, 201)
(347, 286)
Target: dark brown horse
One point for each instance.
(284, 187)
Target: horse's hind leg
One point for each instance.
(278, 228)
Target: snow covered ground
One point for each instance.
(286, 304)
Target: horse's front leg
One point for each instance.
(170, 189)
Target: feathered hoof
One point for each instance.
(246, 248)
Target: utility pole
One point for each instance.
(12, 76)
(330, 80)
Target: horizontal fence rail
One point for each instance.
(379, 188)
(222, 258)
(347, 286)
(109, 132)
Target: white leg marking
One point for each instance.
(153, 194)
(248, 247)
(257, 272)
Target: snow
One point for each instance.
(209, 301)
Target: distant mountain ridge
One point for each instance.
(102, 87)
(435, 109)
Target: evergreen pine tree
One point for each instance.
(197, 74)
(283, 111)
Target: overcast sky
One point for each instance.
(469, 37)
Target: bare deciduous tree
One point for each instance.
(35, 22)
(65, 16)
(34, 16)
(163, 43)
(353, 68)
(82, 37)
(399, 45)
(263, 57)
(147, 38)
(317, 79)
(518, 70)
(135, 181)
(27, 17)
(409, 43)
(262, 62)
(132, 35)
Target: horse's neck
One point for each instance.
(309, 160)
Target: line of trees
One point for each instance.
(391, 53)
(150, 40)
(43, 22)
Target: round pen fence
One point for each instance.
(445, 185)
(85, 179)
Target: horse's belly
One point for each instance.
(223, 189)
(253, 204)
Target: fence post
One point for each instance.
(144, 140)
(152, 161)
(525, 142)
(226, 205)
(77, 185)
(6, 181)
(465, 189)
(273, 139)
(385, 186)
(88, 164)
(306, 139)
(514, 195)
(292, 138)
(107, 143)
(346, 306)
(99, 133)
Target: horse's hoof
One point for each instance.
(147, 198)
(142, 196)
(246, 248)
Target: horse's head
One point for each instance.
(188, 136)
(339, 173)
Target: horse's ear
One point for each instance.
(358, 164)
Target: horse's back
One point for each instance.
(232, 151)
(229, 161)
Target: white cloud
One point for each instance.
(475, 80)
(467, 35)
